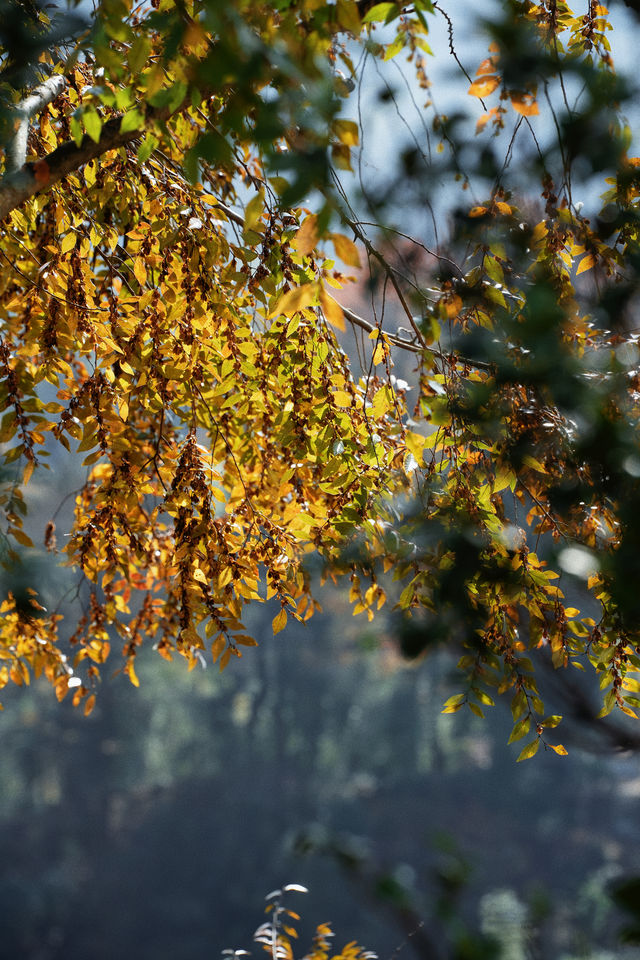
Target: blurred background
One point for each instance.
(155, 827)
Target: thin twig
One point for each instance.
(358, 321)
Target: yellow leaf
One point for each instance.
(533, 463)
(68, 242)
(452, 708)
(346, 250)
(559, 749)
(200, 576)
(529, 751)
(483, 87)
(279, 621)
(306, 238)
(454, 703)
(89, 705)
(477, 211)
(347, 132)
(332, 310)
(140, 271)
(20, 536)
(253, 210)
(539, 232)
(379, 354)
(586, 264)
(415, 444)
(295, 299)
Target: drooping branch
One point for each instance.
(25, 180)
(38, 99)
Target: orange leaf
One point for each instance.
(41, 172)
(295, 299)
(332, 310)
(306, 238)
(131, 673)
(346, 250)
(484, 119)
(525, 106)
(482, 88)
(218, 646)
(586, 264)
(487, 66)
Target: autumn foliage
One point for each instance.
(172, 311)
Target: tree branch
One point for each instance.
(32, 178)
(38, 99)
(357, 321)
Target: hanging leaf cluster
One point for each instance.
(172, 312)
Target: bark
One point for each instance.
(38, 99)
(33, 178)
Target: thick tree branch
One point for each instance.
(33, 178)
(38, 99)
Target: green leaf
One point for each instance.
(147, 147)
(76, 130)
(92, 124)
(382, 13)
(138, 54)
(530, 750)
(132, 120)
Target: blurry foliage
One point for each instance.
(277, 935)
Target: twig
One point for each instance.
(358, 321)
